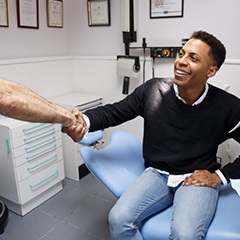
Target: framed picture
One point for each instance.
(55, 13)
(27, 11)
(3, 13)
(99, 13)
(166, 8)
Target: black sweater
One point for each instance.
(178, 138)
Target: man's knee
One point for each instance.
(118, 226)
(117, 218)
(180, 233)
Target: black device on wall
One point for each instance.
(164, 52)
(129, 32)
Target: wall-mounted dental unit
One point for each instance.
(129, 30)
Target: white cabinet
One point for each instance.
(31, 163)
(74, 167)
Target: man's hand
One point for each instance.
(78, 130)
(69, 120)
(203, 178)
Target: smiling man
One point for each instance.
(185, 120)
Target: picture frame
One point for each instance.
(4, 22)
(55, 13)
(166, 8)
(99, 13)
(28, 14)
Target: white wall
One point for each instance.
(220, 17)
(46, 76)
(43, 42)
(99, 76)
(96, 41)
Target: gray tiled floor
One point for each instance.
(79, 212)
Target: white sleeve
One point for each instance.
(221, 176)
(87, 121)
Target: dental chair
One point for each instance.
(118, 165)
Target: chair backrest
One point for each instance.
(118, 164)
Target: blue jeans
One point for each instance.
(193, 208)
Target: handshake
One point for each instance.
(76, 127)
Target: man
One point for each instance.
(185, 120)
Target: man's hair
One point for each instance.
(217, 50)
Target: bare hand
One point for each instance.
(78, 130)
(70, 121)
(203, 178)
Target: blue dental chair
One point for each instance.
(118, 164)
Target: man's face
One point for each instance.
(193, 66)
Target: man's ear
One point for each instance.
(212, 71)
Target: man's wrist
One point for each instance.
(68, 119)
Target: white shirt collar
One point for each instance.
(199, 100)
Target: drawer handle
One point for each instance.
(28, 149)
(41, 153)
(8, 145)
(34, 128)
(43, 163)
(27, 140)
(44, 180)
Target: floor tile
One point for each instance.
(88, 184)
(30, 227)
(93, 217)
(64, 203)
(64, 231)
(106, 195)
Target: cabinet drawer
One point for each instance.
(22, 128)
(37, 153)
(34, 134)
(28, 169)
(40, 182)
(36, 145)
